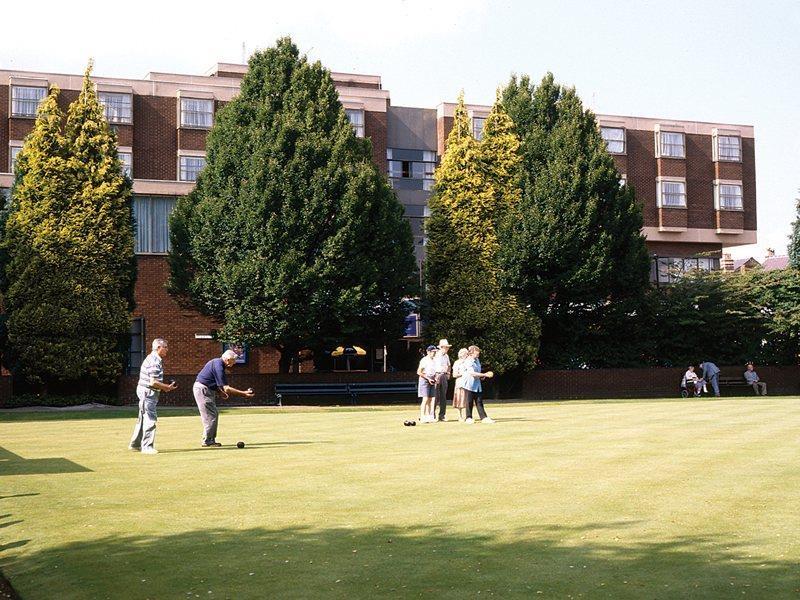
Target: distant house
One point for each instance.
(769, 263)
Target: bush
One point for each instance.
(22, 400)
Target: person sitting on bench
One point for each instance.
(752, 379)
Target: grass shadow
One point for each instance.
(14, 464)
(248, 446)
(393, 562)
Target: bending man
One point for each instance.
(211, 381)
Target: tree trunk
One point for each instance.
(287, 359)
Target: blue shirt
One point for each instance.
(471, 382)
(212, 375)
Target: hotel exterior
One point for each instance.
(695, 181)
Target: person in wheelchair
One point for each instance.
(691, 384)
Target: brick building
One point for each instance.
(696, 181)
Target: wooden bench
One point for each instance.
(732, 382)
(310, 389)
(382, 387)
(345, 390)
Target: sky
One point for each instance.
(721, 61)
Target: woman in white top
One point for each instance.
(459, 398)
(426, 389)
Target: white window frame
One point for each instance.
(184, 124)
(127, 169)
(145, 223)
(660, 191)
(477, 132)
(119, 117)
(12, 146)
(358, 128)
(660, 145)
(184, 154)
(718, 197)
(717, 136)
(19, 115)
(624, 139)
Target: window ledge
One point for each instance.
(672, 229)
(195, 127)
(29, 117)
(736, 210)
(721, 231)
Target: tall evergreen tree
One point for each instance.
(292, 238)
(794, 238)
(70, 271)
(574, 244)
(476, 185)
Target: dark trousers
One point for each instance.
(475, 399)
(441, 393)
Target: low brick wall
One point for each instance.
(264, 387)
(643, 383)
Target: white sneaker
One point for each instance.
(487, 420)
(150, 450)
(469, 421)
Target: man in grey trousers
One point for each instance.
(151, 384)
(211, 380)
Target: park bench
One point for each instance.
(310, 389)
(346, 390)
(382, 387)
(728, 381)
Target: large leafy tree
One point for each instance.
(292, 238)
(573, 246)
(68, 249)
(476, 185)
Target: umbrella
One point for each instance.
(348, 352)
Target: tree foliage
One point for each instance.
(291, 238)
(572, 247)
(476, 185)
(69, 265)
(794, 239)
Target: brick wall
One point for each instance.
(4, 137)
(643, 383)
(192, 139)
(678, 249)
(376, 128)
(164, 318)
(155, 137)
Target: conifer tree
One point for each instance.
(574, 245)
(68, 286)
(476, 185)
(292, 238)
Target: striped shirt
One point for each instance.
(152, 369)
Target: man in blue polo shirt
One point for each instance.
(211, 381)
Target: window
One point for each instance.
(5, 197)
(152, 223)
(197, 113)
(136, 350)
(614, 138)
(126, 158)
(672, 194)
(356, 118)
(411, 169)
(477, 127)
(672, 144)
(728, 196)
(665, 269)
(13, 152)
(116, 107)
(190, 166)
(729, 147)
(623, 180)
(25, 100)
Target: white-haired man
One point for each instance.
(211, 381)
(151, 384)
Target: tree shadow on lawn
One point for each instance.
(399, 562)
(14, 464)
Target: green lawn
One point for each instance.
(629, 499)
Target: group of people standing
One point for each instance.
(435, 370)
(211, 383)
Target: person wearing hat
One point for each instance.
(427, 385)
(442, 364)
